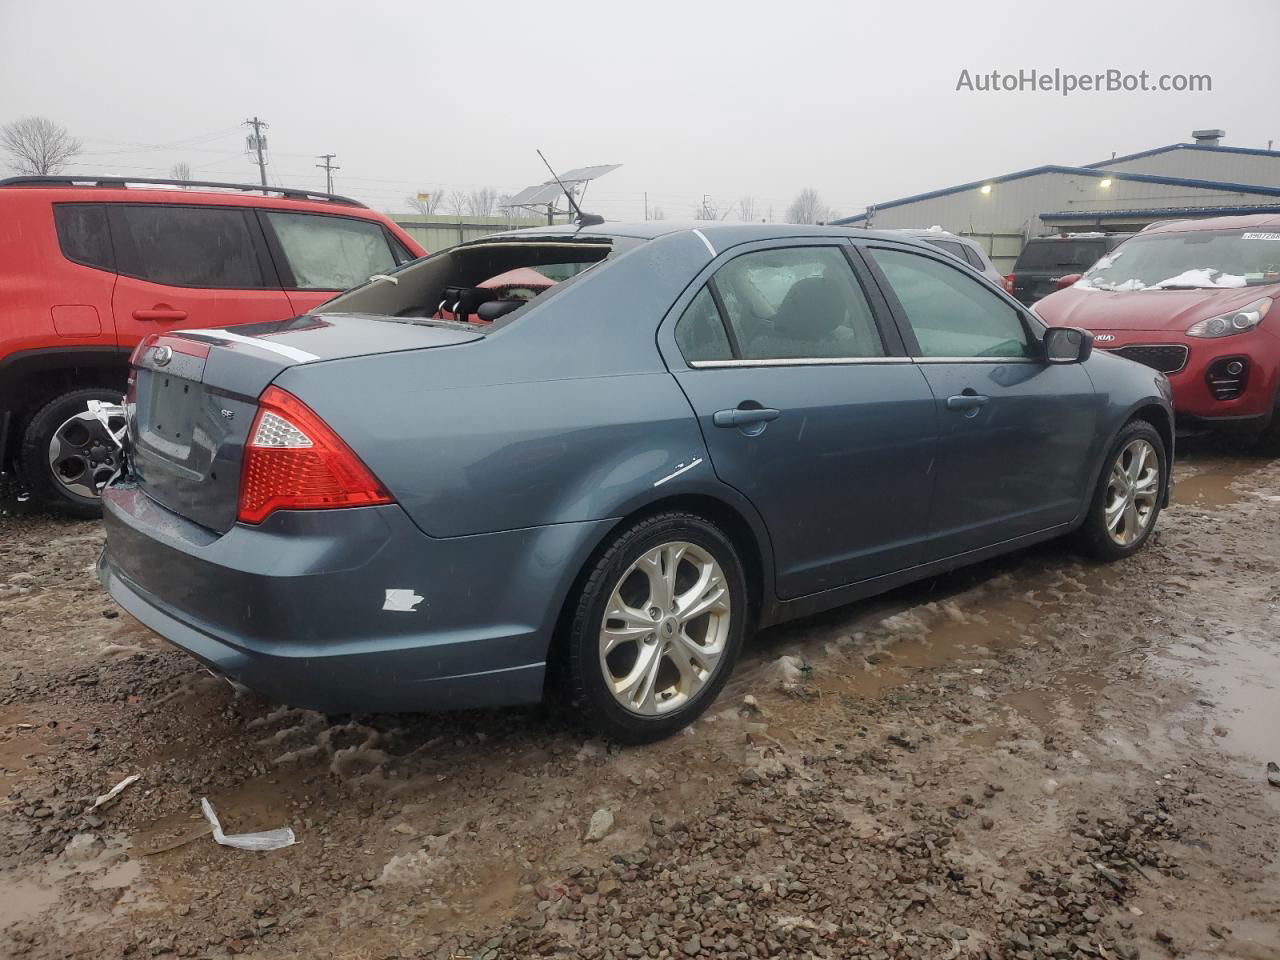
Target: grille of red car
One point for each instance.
(1167, 358)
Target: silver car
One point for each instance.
(962, 248)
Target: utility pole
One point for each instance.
(646, 204)
(257, 142)
(328, 169)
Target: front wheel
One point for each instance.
(1129, 494)
(658, 626)
(71, 447)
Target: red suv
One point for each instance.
(1198, 300)
(89, 267)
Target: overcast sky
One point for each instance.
(729, 99)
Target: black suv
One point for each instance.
(1046, 260)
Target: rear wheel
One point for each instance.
(71, 447)
(657, 628)
(1129, 494)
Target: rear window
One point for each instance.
(1073, 256)
(974, 258)
(83, 235)
(331, 253)
(186, 246)
(949, 246)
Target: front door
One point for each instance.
(812, 413)
(1015, 431)
(183, 267)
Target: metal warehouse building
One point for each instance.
(1199, 179)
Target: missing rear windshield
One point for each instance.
(478, 285)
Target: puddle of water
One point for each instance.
(1211, 487)
(24, 899)
(1240, 676)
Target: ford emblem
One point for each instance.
(161, 355)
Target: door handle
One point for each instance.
(967, 401)
(160, 312)
(744, 417)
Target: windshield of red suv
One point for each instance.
(1191, 260)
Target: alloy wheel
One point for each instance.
(87, 448)
(1133, 488)
(665, 628)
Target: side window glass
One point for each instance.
(952, 314)
(796, 303)
(700, 333)
(188, 246)
(331, 253)
(974, 258)
(83, 235)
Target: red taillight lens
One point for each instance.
(1008, 283)
(293, 461)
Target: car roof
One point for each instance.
(145, 190)
(719, 233)
(1267, 221)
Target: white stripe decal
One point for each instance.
(299, 356)
(680, 468)
(703, 237)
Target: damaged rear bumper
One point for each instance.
(317, 608)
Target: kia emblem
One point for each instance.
(161, 355)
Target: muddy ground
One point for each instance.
(1037, 757)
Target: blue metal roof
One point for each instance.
(1250, 151)
(1075, 171)
(1172, 212)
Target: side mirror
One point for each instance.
(1068, 280)
(1067, 345)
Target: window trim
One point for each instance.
(117, 211)
(885, 328)
(1033, 328)
(285, 271)
(796, 362)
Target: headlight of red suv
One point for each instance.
(1237, 321)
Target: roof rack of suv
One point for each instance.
(290, 192)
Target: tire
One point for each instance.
(63, 488)
(1120, 532)
(689, 660)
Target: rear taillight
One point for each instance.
(1008, 283)
(294, 461)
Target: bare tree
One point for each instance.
(428, 207)
(37, 145)
(480, 202)
(747, 208)
(456, 201)
(807, 207)
(180, 171)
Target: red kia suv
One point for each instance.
(1197, 300)
(89, 267)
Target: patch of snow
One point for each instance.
(1203, 277)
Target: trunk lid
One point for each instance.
(195, 393)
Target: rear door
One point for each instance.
(1015, 431)
(320, 255)
(810, 409)
(190, 266)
